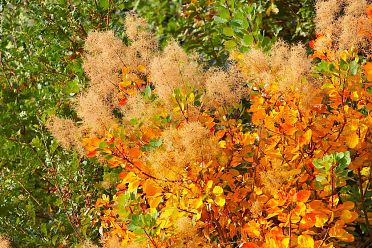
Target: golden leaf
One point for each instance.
(209, 184)
(320, 219)
(154, 201)
(306, 137)
(352, 140)
(305, 241)
(217, 190)
(220, 201)
(252, 229)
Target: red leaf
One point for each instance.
(123, 101)
(91, 154)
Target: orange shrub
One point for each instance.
(266, 154)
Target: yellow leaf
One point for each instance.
(209, 184)
(141, 68)
(306, 137)
(354, 96)
(217, 190)
(168, 212)
(252, 229)
(348, 216)
(222, 144)
(258, 191)
(133, 181)
(365, 171)
(320, 220)
(285, 243)
(124, 84)
(130, 177)
(220, 201)
(197, 216)
(196, 203)
(352, 140)
(132, 186)
(305, 241)
(154, 201)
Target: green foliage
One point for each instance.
(213, 28)
(332, 167)
(46, 192)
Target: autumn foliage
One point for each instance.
(274, 151)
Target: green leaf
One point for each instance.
(230, 44)
(228, 31)
(369, 89)
(248, 39)
(220, 20)
(147, 92)
(344, 65)
(320, 178)
(323, 66)
(44, 229)
(104, 4)
(224, 13)
(123, 200)
(353, 68)
(103, 145)
(339, 155)
(156, 142)
(73, 87)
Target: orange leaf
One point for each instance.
(134, 152)
(219, 134)
(150, 188)
(337, 231)
(123, 174)
(316, 205)
(250, 245)
(258, 116)
(123, 101)
(322, 244)
(368, 70)
(308, 221)
(347, 205)
(121, 186)
(303, 195)
(92, 153)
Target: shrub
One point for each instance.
(272, 152)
